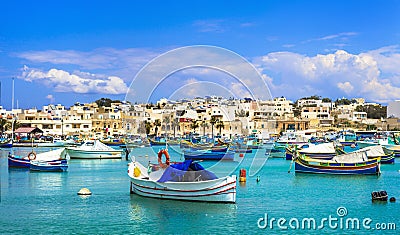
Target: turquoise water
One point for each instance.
(47, 203)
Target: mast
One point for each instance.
(12, 114)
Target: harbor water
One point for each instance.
(47, 203)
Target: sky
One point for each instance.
(62, 52)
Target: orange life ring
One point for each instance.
(32, 154)
(160, 153)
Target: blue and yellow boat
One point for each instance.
(345, 164)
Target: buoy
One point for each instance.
(242, 175)
(379, 196)
(241, 155)
(84, 191)
(392, 199)
(258, 178)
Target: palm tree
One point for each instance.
(167, 121)
(147, 126)
(194, 125)
(213, 120)
(220, 125)
(204, 124)
(157, 123)
(174, 124)
(4, 125)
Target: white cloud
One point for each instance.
(51, 98)
(122, 62)
(374, 75)
(206, 63)
(62, 81)
(345, 86)
(340, 36)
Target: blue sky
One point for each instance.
(80, 51)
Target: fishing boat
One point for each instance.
(113, 142)
(355, 163)
(157, 141)
(395, 149)
(208, 155)
(57, 165)
(94, 149)
(291, 138)
(38, 143)
(386, 155)
(347, 138)
(290, 150)
(6, 143)
(187, 181)
(242, 150)
(319, 151)
(25, 162)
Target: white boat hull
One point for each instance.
(85, 154)
(217, 190)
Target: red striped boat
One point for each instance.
(187, 181)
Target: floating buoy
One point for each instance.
(241, 155)
(392, 199)
(84, 191)
(379, 196)
(258, 178)
(242, 175)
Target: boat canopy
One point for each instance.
(374, 151)
(353, 157)
(187, 171)
(319, 148)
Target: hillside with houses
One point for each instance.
(208, 116)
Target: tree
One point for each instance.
(326, 100)
(373, 111)
(342, 101)
(174, 124)
(194, 125)
(148, 126)
(204, 124)
(213, 120)
(220, 125)
(4, 125)
(106, 102)
(157, 123)
(167, 121)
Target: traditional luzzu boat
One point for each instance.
(6, 143)
(58, 156)
(208, 155)
(94, 149)
(355, 163)
(113, 142)
(57, 165)
(387, 156)
(319, 151)
(187, 180)
(158, 141)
